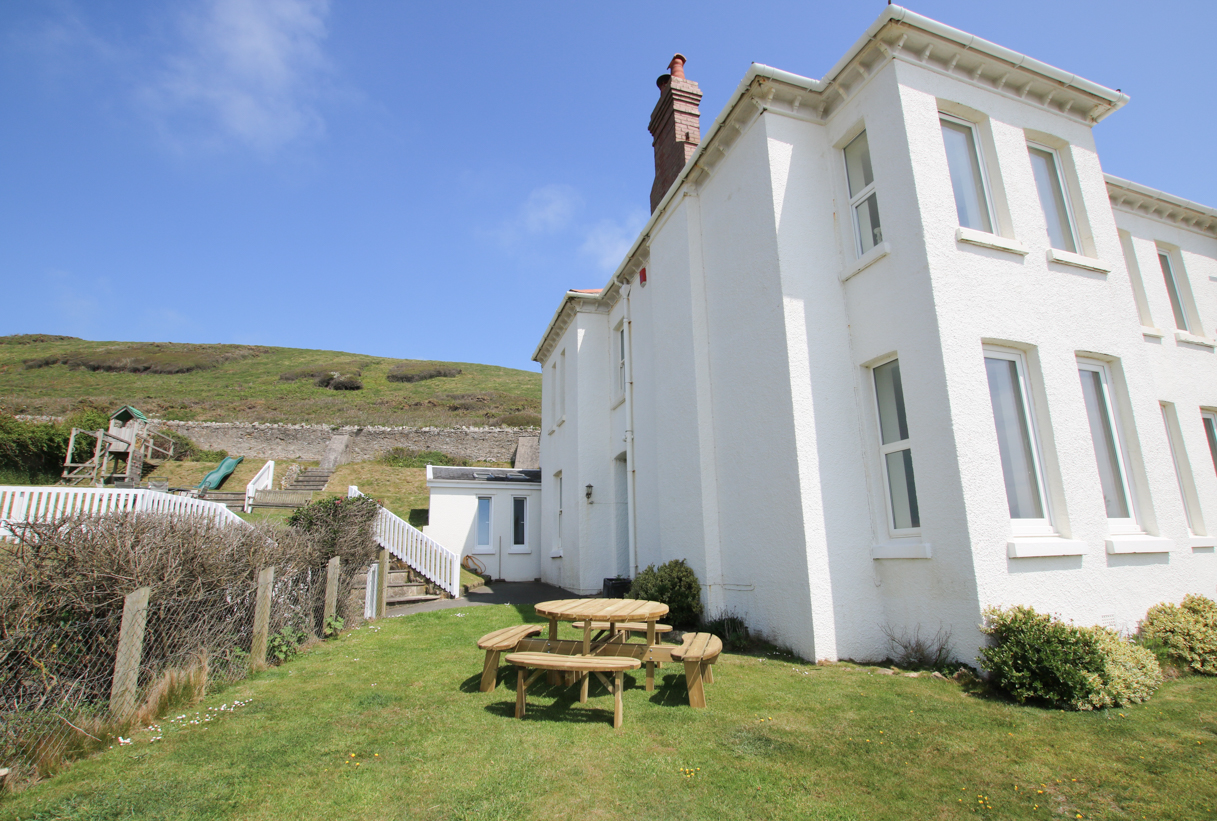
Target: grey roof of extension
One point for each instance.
(507, 475)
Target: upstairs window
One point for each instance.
(1105, 436)
(621, 359)
(895, 448)
(967, 174)
(1016, 442)
(1046, 167)
(1172, 289)
(1210, 432)
(862, 198)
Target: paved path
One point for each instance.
(497, 593)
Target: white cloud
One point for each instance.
(549, 209)
(247, 71)
(608, 240)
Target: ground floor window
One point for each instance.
(483, 523)
(519, 521)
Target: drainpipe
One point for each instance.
(629, 433)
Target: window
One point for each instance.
(519, 522)
(553, 394)
(483, 542)
(1045, 166)
(862, 198)
(1210, 432)
(967, 175)
(561, 387)
(1172, 289)
(1183, 470)
(1105, 436)
(621, 359)
(1016, 442)
(557, 548)
(895, 448)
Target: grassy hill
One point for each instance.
(51, 375)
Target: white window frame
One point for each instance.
(1026, 527)
(479, 548)
(892, 447)
(1175, 265)
(1209, 418)
(553, 399)
(525, 547)
(1060, 180)
(556, 551)
(619, 339)
(1117, 525)
(1183, 470)
(980, 163)
(860, 197)
(561, 388)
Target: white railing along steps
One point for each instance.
(427, 556)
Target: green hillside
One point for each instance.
(51, 375)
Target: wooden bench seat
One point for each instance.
(628, 627)
(495, 643)
(698, 651)
(580, 664)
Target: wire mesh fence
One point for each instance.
(69, 689)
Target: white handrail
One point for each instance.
(264, 480)
(47, 503)
(430, 558)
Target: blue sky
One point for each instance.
(424, 180)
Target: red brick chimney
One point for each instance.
(675, 126)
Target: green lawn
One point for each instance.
(386, 722)
(249, 388)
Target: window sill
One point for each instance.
(1202, 542)
(986, 240)
(900, 549)
(482, 551)
(1152, 333)
(1078, 261)
(557, 554)
(617, 402)
(519, 551)
(1192, 339)
(561, 422)
(866, 260)
(1033, 547)
(1141, 543)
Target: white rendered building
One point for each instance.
(891, 349)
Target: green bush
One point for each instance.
(675, 584)
(1036, 656)
(731, 628)
(410, 458)
(339, 527)
(1188, 631)
(148, 357)
(34, 449)
(420, 371)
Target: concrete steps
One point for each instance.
(314, 479)
(234, 500)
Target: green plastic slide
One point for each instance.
(213, 480)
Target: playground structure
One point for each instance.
(119, 454)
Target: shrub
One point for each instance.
(345, 382)
(339, 527)
(411, 458)
(914, 651)
(519, 420)
(419, 371)
(1188, 631)
(148, 357)
(731, 628)
(325, 370)
(675, 584)
(33, 448)
(1036, 656)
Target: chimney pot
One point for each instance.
(677, 66)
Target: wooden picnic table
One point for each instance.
(613, 611)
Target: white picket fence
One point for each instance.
(264, 480)
(430, 558)
(47, 503)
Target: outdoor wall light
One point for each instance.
(588, 494)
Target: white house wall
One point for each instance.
(453, 523)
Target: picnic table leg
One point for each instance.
(707, 673)
(650, 664)
(521, 686)
(618, 681)
(553, 676)
(490, 672)
(697, 695)
(587, 649)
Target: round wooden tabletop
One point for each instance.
(613, 610)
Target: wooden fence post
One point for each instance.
(382, 583)
(257, 652)
(331, 590)
(125, 685)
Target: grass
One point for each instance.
(232, 383)
(189, 474)
(387, 722)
